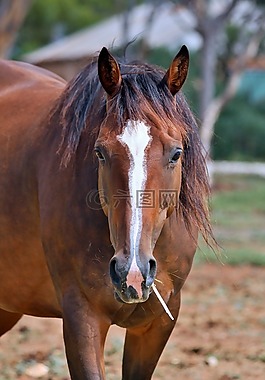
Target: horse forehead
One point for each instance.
(136, 137)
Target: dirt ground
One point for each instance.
(220, 334)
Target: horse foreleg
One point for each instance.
(8, 320)
(84, 336)
(143, 347)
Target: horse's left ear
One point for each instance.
(178, 70)
(109, 72)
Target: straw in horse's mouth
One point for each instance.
(153, 286)
(160, 299)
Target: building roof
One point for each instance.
(173, 26)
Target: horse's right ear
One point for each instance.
(109, 72)
(177, 72)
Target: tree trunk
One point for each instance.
(12, 15)
(208, 67)
(215, 105)
(214, 109)
(144, 48)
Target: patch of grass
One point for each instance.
(237, 257)
(238, 215)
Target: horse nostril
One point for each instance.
(113, 274)
(152, 272)
(152, 267)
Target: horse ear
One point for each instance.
(109, 72)
(178, 70)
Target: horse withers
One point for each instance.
(103, 189)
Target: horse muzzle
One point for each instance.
(132, 282)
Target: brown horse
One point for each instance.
(103, 189)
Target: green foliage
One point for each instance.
(160, 57)
(238, 211)
(50, 19)
(240, 132)
(252, 86)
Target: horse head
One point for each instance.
(140, 165)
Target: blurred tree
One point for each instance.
(48, 20)
(244, 44)
(245, 142)
(12, 15)
(144, 48)
(232, 33)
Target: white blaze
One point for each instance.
(136, 137)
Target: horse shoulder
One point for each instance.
(27, 94)
(15, 72)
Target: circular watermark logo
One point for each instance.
(96, 199)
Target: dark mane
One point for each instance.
(82, 110)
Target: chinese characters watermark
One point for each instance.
(96, 199)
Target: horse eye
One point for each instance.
(175, 156)
(99, 154)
